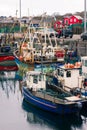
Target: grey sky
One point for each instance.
(36, 7)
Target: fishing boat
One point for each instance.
(7, 63)
(72, 79)
(34, 49)
(7, 59)
(82, 89)
(50, 55)
(49, 97)
(31, 55)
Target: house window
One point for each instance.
(70, 20)
(75, 20)
(68, 74)
(56, 25)
(66, 22)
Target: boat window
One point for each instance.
(60, 72)
(86, 63)
(35, 80)
(28, 50)
(82, 62)
(29, 78)
(40, 77)
(68, 74)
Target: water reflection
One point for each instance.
(16, 113)
(9, 86)
(84, 117)
(57, 122)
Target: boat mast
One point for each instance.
(43, 16)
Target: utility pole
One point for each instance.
(16, 13)
(84, 15)
(20, 13)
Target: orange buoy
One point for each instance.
(21, 58)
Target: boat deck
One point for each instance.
(53, 98)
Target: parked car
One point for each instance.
(65, 33)
(83, 36)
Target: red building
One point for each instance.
(72, 20)
(58, 25)
(67, 21)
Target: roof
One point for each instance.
(84, 58)
(78, 17)
(33, 72)
(67, 17)
(69, 67)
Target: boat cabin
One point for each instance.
(84, 70)
(84, 66)
(69, 77)
(35, 80)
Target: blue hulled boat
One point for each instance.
(49, 97)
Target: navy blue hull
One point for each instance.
(48, 105)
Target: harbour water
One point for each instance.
(17, 114)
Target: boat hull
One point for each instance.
(7, 62)
(8, 68)
(49, 105)
(6, 57)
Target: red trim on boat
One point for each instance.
(8, 68)
(3, 58)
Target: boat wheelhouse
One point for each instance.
(69, 75)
